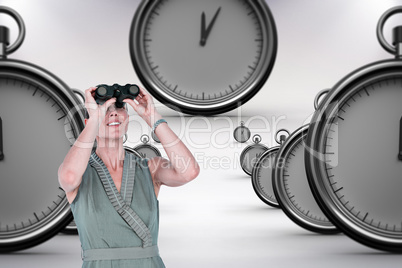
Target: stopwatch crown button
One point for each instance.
(4, 35)
(397, 35)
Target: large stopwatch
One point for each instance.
(203, 57)
(251, 153)
(291, 187)
(40, 120)
(353, 156)
(261, 176)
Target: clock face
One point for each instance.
(241, 134)
(262, 177)
(355, 169)
(292, 189)
(203, 57)
(250, 155)
(37, 132)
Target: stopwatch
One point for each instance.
(146, 150)
(353, 148)
(261, 177)
(241, 133)
(203, 57)
(251, 153)
(291, 187)
(41, 118)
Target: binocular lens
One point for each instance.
(134, 90)
(101, 91)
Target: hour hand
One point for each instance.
(203, 30)
(400, 140)
(1, 140)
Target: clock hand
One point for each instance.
(1, 140)
(400, 140)
(205, 34)
(202, 40)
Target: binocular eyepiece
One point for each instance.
(105, 92)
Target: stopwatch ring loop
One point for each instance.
(257, 138)
(144, 138)
(318, 96)
(279, 131)
(380, 28)
(21, 26)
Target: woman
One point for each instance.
(113, 194)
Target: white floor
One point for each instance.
(218, 221)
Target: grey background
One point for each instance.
(217, 220)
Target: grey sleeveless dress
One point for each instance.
(101, 227)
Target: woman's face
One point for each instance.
(115, 124)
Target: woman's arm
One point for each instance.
(73, 167)
(181, 166)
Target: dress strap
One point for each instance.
(121, 206)
(101, 254)
(127, 183)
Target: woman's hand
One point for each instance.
(96, 111)
(145, 107)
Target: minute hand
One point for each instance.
(205, 32)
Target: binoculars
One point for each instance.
(104, 92)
